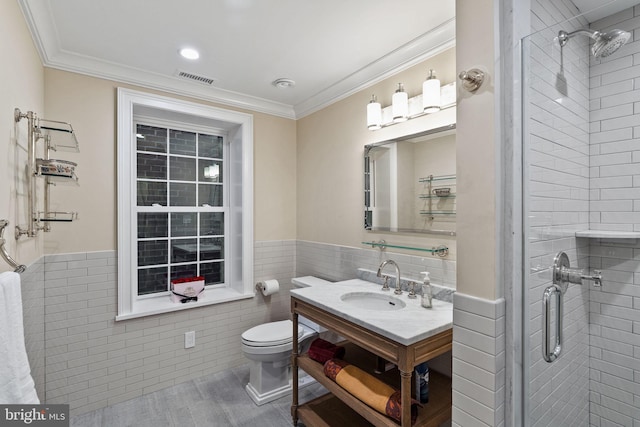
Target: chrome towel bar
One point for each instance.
(18, 268)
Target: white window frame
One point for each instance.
(239, 264)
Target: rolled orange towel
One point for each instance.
(370, 390)
(321, 350)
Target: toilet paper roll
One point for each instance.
(269, 287)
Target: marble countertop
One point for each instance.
(406, 326)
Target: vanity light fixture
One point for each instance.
(189, 53)
(431, 94)
(400, 104)
(374, 114)
(402, 108)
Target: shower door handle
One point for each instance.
(548, 353)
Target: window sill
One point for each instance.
(162, 304)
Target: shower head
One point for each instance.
(605, 42)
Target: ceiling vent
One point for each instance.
(195, 78)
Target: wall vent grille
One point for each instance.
(194, 77)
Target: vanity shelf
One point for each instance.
(340, 408)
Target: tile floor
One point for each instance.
(217, 400)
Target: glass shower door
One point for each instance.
(555, 206)
(581, 173)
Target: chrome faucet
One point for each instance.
(398, 290)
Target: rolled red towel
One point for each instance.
(370, 390)
(322, 350)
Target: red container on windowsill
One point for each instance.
(189, 289)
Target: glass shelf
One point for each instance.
(62, 179)
(57, 171)
(432, 178)
(60, 135)
(437, 212)
(433, 196)
(441, 251)
(57, 216)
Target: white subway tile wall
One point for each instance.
(334, 262)
(478, 362)
(615, 171)
(557, 149)
(615, 111)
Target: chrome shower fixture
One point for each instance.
(605, 42)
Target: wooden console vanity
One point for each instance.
(340, 408)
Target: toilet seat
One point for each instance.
(271, 334)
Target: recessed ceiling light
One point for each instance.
(284, 83)
(189, 53)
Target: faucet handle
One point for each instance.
(412, 290)
(385, 285)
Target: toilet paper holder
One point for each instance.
(268, 287)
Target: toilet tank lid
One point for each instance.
(306, 281)
(272, 332)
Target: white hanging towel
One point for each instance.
(16, 383)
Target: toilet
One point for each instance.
(268, 348)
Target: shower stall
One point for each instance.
(581, 196)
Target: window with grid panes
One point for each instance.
(181, 207)
(185, 202)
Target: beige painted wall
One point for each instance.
(330, 160)
(476, 153)
(89, 104)
(21, 86)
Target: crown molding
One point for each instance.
(170, 84)
(427, 45)
(39, 19)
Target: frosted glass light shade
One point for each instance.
(400, 105)
(374, 114)
(431, 94)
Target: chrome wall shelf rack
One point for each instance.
(57, 137)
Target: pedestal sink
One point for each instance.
(373, 301)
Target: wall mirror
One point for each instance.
(410, 183)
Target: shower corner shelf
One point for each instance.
(57, 136)
(604, 234)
